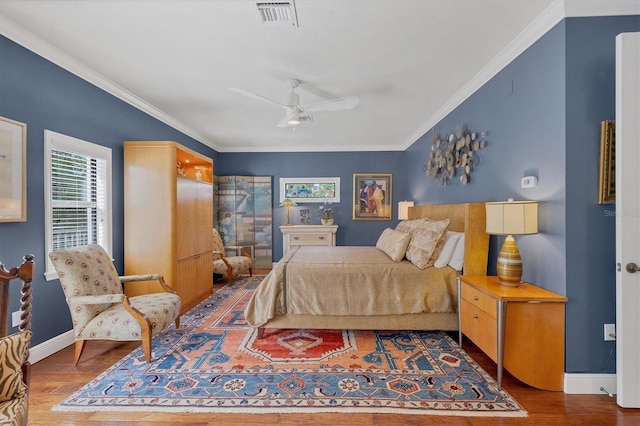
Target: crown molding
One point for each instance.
(584, 8)
(25, 38)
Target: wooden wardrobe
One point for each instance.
(168, 218)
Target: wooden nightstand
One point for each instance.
(307, 235)
(520, 328)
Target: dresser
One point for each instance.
(520, 328)
(307, 235)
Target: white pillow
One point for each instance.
(451, 239)
(457, 259)
(393, 243)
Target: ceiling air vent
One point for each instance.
(277, 13)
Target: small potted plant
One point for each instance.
(325, 214)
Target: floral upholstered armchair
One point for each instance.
(229, 265)
(99, 308)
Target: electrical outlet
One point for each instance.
(15, 319)
(609, 332)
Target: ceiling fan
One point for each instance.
(295, 113)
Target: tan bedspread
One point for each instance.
(350, 281)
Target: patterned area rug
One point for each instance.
(215, 363)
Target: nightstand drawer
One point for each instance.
(310, 239)
(481, 328)
(479, 299)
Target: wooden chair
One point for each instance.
(14, 349)
(99, 308)
(230, 265)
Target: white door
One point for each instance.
(628, 219)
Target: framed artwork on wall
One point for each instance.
(607, 183)
(310, 190)
(13, 173)
(372, 196)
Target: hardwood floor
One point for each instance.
(55, 377)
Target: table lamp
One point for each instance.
(403, 209)
(511, 218)
(288, 203)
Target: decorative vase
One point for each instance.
(327, 221)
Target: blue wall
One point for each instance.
(327, 164)
(44, 96)
(591, 279)
(542, 115)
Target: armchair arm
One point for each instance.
(145, 277)
(148, 277)
(240, 250)
(95, 300)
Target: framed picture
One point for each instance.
(305, 217)
(607, 183)
(372, 196)
(310, 190)
(13, 173)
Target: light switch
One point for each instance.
(529, 182)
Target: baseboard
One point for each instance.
(590, 383)
(50, 347)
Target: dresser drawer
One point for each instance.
(310, 239)
(480, 327)
(480, 300)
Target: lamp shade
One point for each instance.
(403, 209)
(509, 218)
(288, 202)
(512, 217)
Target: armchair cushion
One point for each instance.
(238, 264)
(116, 323)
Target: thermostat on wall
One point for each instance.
(529, 182)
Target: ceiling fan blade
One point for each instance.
(338, 104)
(256, 96)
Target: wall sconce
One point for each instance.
(511, 218)
(403, 209)
(288, 203)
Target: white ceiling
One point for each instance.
(409, 61)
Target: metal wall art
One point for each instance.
(454, 156)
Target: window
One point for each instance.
(77, 194)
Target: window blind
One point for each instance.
(78, 199)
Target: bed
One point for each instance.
(322, 287)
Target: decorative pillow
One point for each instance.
(457, 259)
(451, 239)
(13, 353)
(394, 243)
(409, 225)
(424, 242)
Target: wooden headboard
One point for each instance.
(469, 218)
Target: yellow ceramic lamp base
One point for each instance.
(509, 265)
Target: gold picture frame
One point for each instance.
(372, 196)
(13, 171)
(607, 181)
